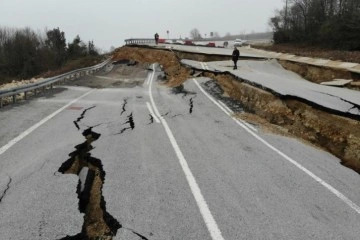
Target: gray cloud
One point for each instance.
(109, 22)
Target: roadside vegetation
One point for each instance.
(331, 24)
(25, 54)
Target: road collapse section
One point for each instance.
(338, 135)
(98, 223)
(319, 74)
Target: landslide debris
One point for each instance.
(175, 72)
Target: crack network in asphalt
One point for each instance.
(355, 106)
(131, 123)
(165, 114)
(124, 106)
(76, 122)
(191, 103)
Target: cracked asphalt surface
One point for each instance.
(251, 191)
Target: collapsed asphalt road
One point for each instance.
(195, 172)
(271, 95)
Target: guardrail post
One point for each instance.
(51, 86)
(1, 102)
(25, 95)
(14, 98)
(35, 92)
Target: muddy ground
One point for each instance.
(335, 134)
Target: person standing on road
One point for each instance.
(156, 38)
(235, 57)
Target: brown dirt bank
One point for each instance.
(319, 74)
(338, 135)
(175, 72)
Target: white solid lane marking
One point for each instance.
(298, 165)
(157, 114)
(31, 129)
(209, 220)
(152, 112)
(239, 121)
(226, 107)
(229, 112)
(148, 78)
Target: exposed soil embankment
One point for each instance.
(318, 74)
(176, 73)
(338, 135)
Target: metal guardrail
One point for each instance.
(139, 41)
(49, 82)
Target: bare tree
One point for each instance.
(334, 23)
(216, 35)
(195, 34)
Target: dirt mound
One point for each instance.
(175, 72)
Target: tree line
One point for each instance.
(25, 53)
(329, 23)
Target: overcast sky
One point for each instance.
(109, 22)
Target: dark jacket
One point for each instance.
(235, 55)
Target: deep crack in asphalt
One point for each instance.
(355, 106)
(165, 114)
(76, 122)
(98, 223)
(151, 119)
(131, 123)
(6, 189)
(124, 106)
(191, 103)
